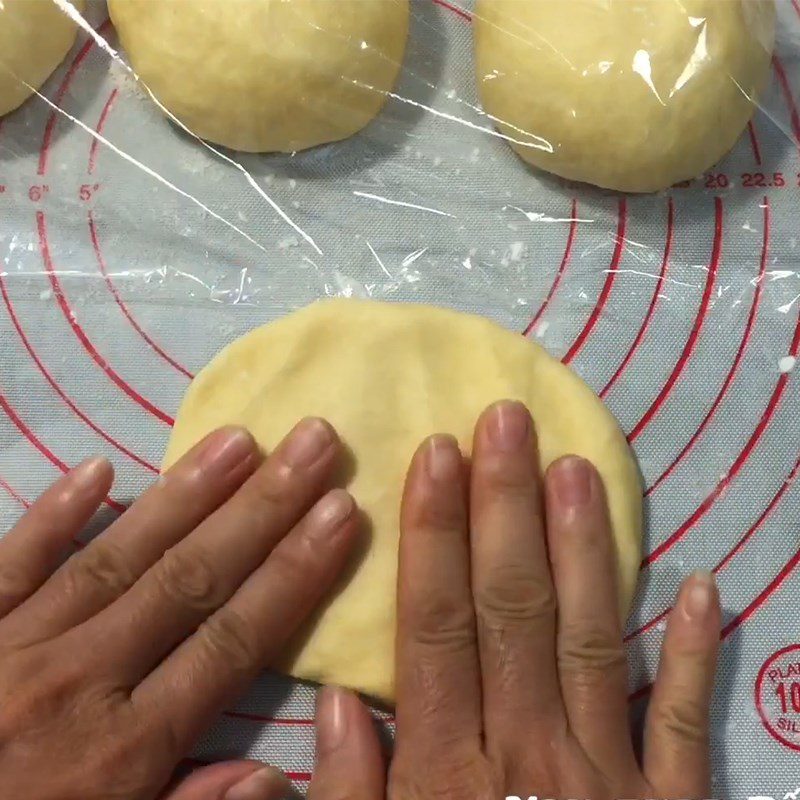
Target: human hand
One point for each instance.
(112, 665)
(511, 673)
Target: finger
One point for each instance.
(199, 574)
(211, 668)
(676, 755)
(233, 780)
(35, 545)
(514, 597)
(591, 659)
(349, 763)
(438, 677)
(183, 497)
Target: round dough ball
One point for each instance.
(266, 75)
(632, 95)
(386, 376)
(35, 35)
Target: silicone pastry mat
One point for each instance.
(131, 254)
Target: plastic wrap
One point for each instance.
(132, 252)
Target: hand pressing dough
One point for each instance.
(35, 35)
(632, 95)
(386, 376)
(266, 75)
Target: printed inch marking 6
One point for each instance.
(37, 193)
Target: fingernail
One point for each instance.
(572, 481)
(306, 443)
(259, 785)
(226, 448)
(443, 458)
(330, 512)
(697, 597)
(87, 472)
(331, 719)
(509, 425)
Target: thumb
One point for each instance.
(232, 780)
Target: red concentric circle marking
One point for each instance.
(794, 112)
(14, 494)
(57, 388)
(39, 445)
(99, 129)
(573, 228)
(49, 129)
(735, 550)
(777, 696)
(737, 465)
(748, 330)
(605, 292)
(694, 335)
(124, 308)
(751, 129)
(109, 104)
(653, 302)
(455, 9)
(85, 341)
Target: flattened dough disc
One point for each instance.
(386, 376)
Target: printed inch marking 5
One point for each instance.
(87, 191)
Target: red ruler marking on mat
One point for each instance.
(124, 308)
(288, 721)
(751, 129)
(81, 334)
(613, 270)
(463, 13)
(697, 327)
(794, 112)
(737, 465)
(57, 388)
(653, 303)
(573, 227)
(49, 129)
(19, 423)
(748, 330)
(735, 550)
(747, 613)
(18, 497)
(101, 123)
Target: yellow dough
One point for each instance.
(266, 75)
(35, 35)
(632, 95)
(386, 376)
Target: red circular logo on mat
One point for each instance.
(778, 696)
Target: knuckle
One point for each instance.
(443, 624)
(271, 488)
(683, 722)
(513, 480)
(186, 576)
(103, 566)
(293, 561)
(14, 583)
(589, 654)
(513, 594)
(452, 778)
(439, 513)
(226, 634)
